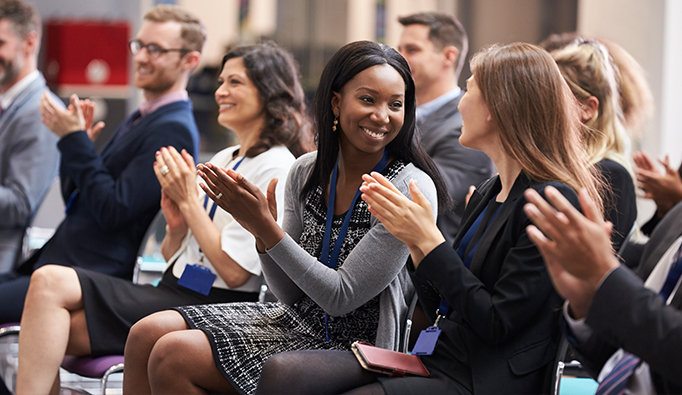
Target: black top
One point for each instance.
(621, 204)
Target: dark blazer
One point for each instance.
(626, 315)
(28, 165)
(621, 206)
(118, 193)
(504, 310)
(460, 166)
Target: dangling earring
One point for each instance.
(336, 122)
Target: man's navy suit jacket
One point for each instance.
(117, 193)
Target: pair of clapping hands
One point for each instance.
(664, 188)
(576, 247)
(230, 190)
(79, 115)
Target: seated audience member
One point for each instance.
(29, 157)
(627, 332)
(435, 46)
(339, 274)
(664, 188)
(635, 97)
(589, 72)
(112, 197)
(490, 293)
(262, 101)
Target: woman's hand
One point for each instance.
(410, 221)
(174, 218)
(665, 189)
(246, 203)
(177, 176)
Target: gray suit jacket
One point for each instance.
(29, 162)
(461, 167)
(626, 315)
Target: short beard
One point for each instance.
(9, 72)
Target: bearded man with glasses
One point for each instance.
(112, 196)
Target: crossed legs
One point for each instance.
(163, 355)
(52, 325)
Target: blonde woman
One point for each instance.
(590, 73)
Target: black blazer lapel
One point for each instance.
(477, 203)
(520, 185)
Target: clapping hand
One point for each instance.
(88, 109)
(62, 121)
(254, 211)
(664, 188)
(410, 221)
(576, 248)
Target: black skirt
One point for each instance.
(112, 305)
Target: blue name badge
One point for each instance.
(426, 341)
(198, 278)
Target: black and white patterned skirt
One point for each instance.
(244, 335)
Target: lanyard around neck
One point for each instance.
(324, 257)
(211, 214)
(331, 261)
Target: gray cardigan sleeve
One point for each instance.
(372, 265)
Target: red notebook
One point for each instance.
(392, 363)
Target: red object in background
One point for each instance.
(86, 54)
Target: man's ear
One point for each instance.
(588, 108)
(451, 53)
(336, 100)
(30, 44)
(191, 60)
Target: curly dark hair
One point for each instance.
(275, 74)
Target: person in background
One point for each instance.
(90, 313)
(338, 273)
(589, 72)
(435, 45)
(664, 188)
(635, 97)
(29, 155)
(111, 197)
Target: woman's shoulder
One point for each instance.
(563, 188)
(277, 156)
(224, 156)
(407, 172)
(302, 167)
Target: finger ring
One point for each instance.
(164, 170)
(219, 195)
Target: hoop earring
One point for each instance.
(336, 122)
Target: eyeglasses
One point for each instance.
(153, 50)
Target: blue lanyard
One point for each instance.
(332, 261)
(444, 306)
(211, 214)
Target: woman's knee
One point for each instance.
(145, 333)
(54, 282)
(179, 353)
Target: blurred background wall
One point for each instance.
(314, 29)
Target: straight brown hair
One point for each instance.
(536, 114)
